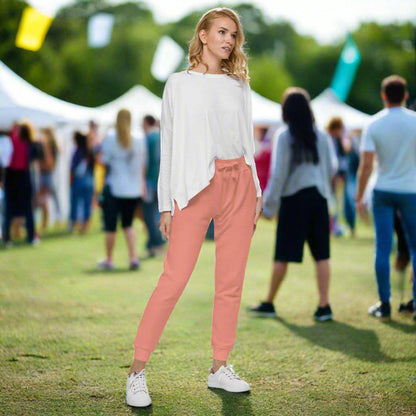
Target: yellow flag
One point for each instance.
(32, 29)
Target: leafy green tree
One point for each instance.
(269, 77)
(278, 56)
(385, 50)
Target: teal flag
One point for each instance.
(347, 66)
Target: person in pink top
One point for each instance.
(18, 187)
(207, 171)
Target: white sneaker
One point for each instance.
(105, 265)
(225, 378)
(137, 394)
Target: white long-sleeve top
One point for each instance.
(204, 117)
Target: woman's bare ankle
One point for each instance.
(216, 365)
(137, 366)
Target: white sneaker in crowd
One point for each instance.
(105, 265)
(225, 378)
(137, 394)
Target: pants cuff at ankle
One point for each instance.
(220, 354)
(141, 354)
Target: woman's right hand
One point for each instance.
(164, 223)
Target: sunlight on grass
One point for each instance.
(67, 332)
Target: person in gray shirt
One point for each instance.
(303, 164)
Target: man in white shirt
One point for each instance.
(391, 135)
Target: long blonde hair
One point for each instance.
(123, 127)
(236, 65)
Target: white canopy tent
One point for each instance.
(327, 105)
(139, 100)
(265, 111)
(20, 99)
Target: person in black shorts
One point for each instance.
(303, 165)
(124, 156)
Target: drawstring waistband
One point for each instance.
(237, 164)
(231, 166)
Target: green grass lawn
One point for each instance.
(67, 332)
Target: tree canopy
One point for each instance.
(68, 68)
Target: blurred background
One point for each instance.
(64, 64)
(298, 43)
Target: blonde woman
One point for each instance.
(207, 171)
(124, 157)
(47, 167)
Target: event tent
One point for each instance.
(265, 111)
(19, 99)
(327, 105)
(139, 100)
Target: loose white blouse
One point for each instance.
(204, 117)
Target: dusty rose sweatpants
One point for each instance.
(229, 199)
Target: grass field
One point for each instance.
(67, 332)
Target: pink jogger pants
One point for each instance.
(230, 200)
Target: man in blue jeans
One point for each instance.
(391, 136)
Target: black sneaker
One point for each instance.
(134, 264)
(323, 313)
(407, 307)
(381, 310)
(263, 310)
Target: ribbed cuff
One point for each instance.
(141, 355)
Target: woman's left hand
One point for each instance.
(259, 209)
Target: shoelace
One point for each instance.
(230, 373)
(139, 383)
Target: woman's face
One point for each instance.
(221, 37)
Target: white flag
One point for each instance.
(167, 57)
(100, 28)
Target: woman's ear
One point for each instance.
(203, 36)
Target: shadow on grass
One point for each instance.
(49, 235)
(337, 336)
(406, 328)
(234, 404)
(142, 410)
(116, 270)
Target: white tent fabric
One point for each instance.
(18, 99)
(139, 100)
(265, 111)
(327, 105)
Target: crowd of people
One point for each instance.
(120, 174)
(117, 172)
(307, 177)
(296, 184)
